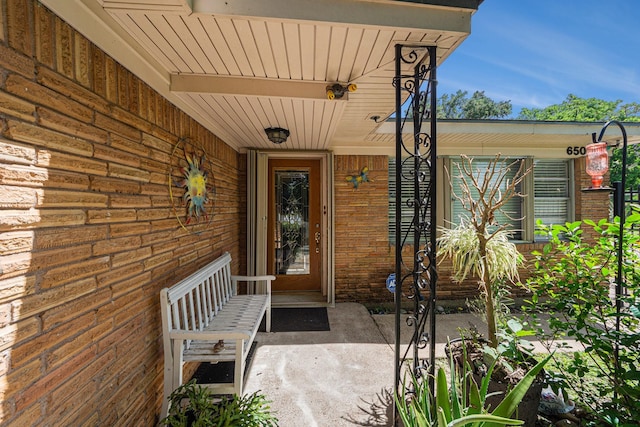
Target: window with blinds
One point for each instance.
(511, 213)
(407, 192)
(551, 184)
(552, 192)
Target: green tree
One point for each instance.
(450, 105)
(576, 109)
(478, 106)
(573, 109)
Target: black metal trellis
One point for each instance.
(416, 278)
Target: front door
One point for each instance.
(294, 239)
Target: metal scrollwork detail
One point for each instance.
(415, 83)
(424, 141)
(410, 58)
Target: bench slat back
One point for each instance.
(190, 304)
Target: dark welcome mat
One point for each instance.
(299, 319)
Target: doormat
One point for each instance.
(299, 319)
(221, 372)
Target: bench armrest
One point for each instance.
(254, 279)
(209, 336)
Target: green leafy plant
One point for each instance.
(572, 282)
(461, 401)
(192, 405)
(514, 352)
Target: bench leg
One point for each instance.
(168, 376)
(268, 315)
(238, 378)
(177, 364)
(172, 375)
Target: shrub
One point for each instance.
(479, 245)
(572, 281)
(193, 405)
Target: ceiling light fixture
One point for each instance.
(337, 90)
(277, 135)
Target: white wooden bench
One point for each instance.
(205, 308)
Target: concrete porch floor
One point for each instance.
(342, 377)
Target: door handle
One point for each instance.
(317, 237)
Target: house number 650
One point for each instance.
(576, 151)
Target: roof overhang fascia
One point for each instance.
(488, 137)
(408, 15)
(513, 127)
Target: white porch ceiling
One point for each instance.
(240, 66)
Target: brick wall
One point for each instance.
(87, 233)
(592, 205)
(364, 255)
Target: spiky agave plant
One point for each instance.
(462, 401)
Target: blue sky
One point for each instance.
(536, 52)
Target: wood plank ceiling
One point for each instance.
(242, 66)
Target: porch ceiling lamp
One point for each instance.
(277, 135)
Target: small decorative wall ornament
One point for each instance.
(356, 180)
(191, 185)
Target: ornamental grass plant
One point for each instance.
(479, 245)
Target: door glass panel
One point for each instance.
(292, 222)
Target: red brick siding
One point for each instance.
(364, 256)
(87, 232)
(592, 205)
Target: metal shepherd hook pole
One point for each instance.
(619, 210)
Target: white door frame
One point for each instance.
(257, 207)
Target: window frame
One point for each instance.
(517, 203)
(571, 199)
(528, 187)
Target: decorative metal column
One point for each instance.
(415, 272)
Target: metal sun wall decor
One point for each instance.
(191, 186)
(356, 180)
